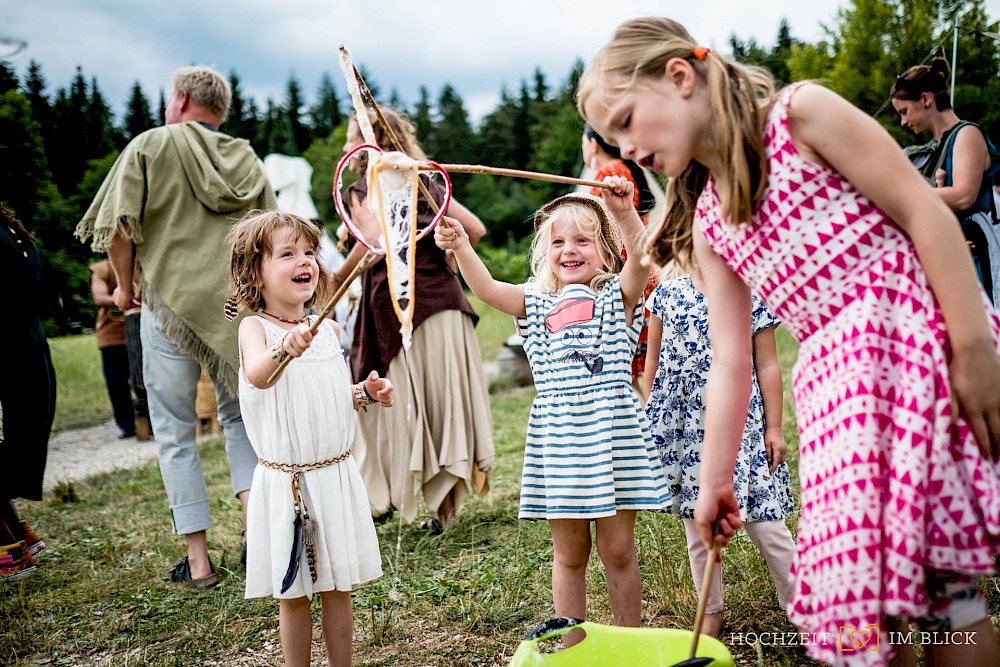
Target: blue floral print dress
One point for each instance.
(676, 409)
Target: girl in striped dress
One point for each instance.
(588, 455)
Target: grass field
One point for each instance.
(465, 597)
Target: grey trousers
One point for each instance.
(171, 378)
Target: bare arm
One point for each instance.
(635, 273)
(121, 253)
(654, 338)
(829, 130)
(765, 362)
(970, 158)
(100, 289)
(727, 394)
(503, 296)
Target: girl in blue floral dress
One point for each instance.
(676, 374)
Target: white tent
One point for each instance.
(291, 178)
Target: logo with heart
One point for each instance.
(854, 639)
(342, 209)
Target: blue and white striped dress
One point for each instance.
(588, 451)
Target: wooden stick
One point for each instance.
(368, 258)
(706, 582)
(516, 173)
(393, 139)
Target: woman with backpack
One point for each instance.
(961, 164)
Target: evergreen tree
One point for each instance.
(453, 135)
(99, 126)
(522, 129)
(163, 108)
(138, 117)
(396, 100)
(301, 137)
(67, 152)
(242, 119)
(41, 108)
(495, 140)
(8, 78)
(422, 119)
(325, 114)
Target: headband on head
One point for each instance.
(608, 230)
(700, 52)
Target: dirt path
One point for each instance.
(82, 452)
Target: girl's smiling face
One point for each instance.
(573, 255)
(289, 273)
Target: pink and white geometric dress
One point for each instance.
(890, 490)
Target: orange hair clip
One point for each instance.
(700, 52)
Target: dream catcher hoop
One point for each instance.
(394, 190)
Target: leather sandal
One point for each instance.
(181, 573)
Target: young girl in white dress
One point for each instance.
(588, 455)
(309, 529)
(679, 356)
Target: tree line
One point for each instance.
(56, 147)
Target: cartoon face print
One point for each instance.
(572, 327)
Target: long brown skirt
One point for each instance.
(438, 436)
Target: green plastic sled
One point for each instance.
(615, 646)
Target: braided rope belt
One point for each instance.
(295, 468)
(301, 511)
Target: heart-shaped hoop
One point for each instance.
(338, 198)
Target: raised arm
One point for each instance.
(635, 273)
(503, 296)
(829, 130)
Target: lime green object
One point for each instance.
(615, 646)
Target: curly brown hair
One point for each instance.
(250, 240)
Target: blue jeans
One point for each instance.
(171, 378)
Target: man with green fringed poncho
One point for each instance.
(168, 204)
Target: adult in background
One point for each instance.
(27, 395)
(439, 438)
(169, 202)
(961, 166)
(110, 334)
(606, 160)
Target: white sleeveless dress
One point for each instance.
(307, 417)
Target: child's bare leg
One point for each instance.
(295, 625)
(616, 547)
(338, 626)
(571, 550)
(698, 559)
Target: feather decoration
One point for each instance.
(295, 556)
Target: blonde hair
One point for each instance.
(206, 87)
(591, 224)
(739, 95)
(402, 127)
(250, 240)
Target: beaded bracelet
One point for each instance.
(362, 398)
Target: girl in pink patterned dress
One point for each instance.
(808, 202)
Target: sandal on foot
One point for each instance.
(432, 526)
(181, 573)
